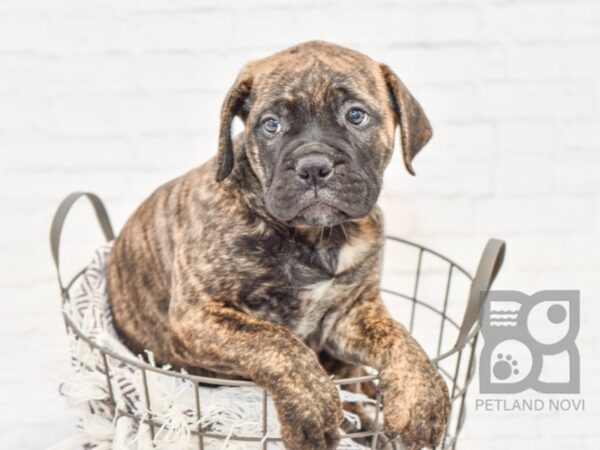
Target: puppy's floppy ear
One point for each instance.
(415, 129)
(232, 106)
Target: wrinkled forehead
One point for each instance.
(317, 77)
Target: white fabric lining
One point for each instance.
(226, 410)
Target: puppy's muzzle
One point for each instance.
(314, 170)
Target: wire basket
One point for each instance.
(423, 289)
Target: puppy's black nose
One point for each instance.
(314, 169)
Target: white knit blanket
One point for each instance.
(226, 410)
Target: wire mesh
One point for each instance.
(409, 292)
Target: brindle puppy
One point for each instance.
(270, 253)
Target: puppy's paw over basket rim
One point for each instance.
(130, 403)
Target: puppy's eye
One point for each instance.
(356, 116)
(272, 125)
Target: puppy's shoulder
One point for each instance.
(211, 207)
(200, 191)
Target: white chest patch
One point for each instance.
(318, 298)
(352, 254)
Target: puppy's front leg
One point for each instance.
(415, 397)
(224, 339)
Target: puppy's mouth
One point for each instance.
(321, 214)
(313, 207)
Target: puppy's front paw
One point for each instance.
(310, 418)
(415, 405)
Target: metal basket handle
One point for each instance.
(489, 266)
(59, 220)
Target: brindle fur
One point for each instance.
(208, 275)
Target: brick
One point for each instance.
(22, 31)
(572, 179)
(447, 103)
(87, 31)
(467, 140)
(106, 73)
(397, 24)
(23, 112)
(524, 174)
(579, 425)
(162, 112)
(534, 215)
(577, 250)
(453, 215)
(539, 100)
(580, 134)
(159, 71)
(399, 213)
(187, 30)
(452, 23)
(52, 186)
(597, 214)
(539, 61)
(484, 426)
(158, 152)
(68, 154)
(581, 20)
(85, 114)
(228, 63)
(439, 175)
(28, 144)
(523, 22)
(448, 63)
(522, 136)
(581, 61)
(537, 252)
(21, 73)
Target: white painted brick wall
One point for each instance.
(118, 96)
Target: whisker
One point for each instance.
(344, 231)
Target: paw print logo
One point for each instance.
(529, 340)
(510, 363)
(505, 367)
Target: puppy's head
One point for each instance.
(319, 131)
